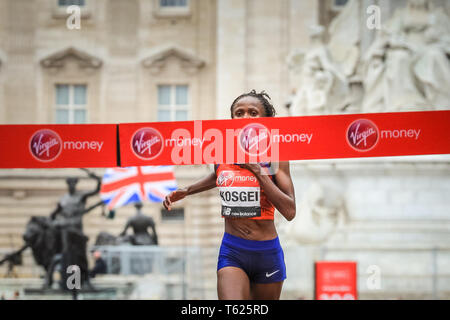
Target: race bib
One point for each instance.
(240, 201)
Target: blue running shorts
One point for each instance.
(262, 261)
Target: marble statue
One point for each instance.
(323, 86)
(407, 67)
(320, 212)
(345, 34)
(328, 69)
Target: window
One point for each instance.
(173, 102)
(339, 4)
(173, 3)
(66, 3)
(59, 8)
(71, 103)
(172, 8)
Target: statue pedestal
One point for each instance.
(57, 294)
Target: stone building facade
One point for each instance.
(153, 60)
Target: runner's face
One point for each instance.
(247, 107)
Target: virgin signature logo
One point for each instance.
(225, 179)
(255, 139)
(362, 135)
(45, 145)
(147, 143)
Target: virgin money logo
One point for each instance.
(362, 135)
(45, 145)
(254, 139)
(225, 178)
(147, 143)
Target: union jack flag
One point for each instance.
(122, 186)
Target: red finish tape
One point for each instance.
(285, 138)
(58, 146)
(225, 141)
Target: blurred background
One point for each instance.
(112, 61)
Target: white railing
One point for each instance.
(180, 269)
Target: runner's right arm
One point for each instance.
(204, 184)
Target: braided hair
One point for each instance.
(263, 97)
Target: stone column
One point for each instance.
(231, 53)
(19, 91)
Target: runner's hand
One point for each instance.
(174, 196)
(252, 167)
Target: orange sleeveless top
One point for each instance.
(241, 194)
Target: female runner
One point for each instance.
(251, 261)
